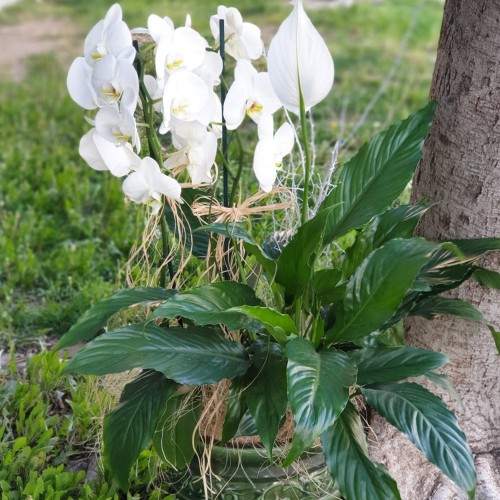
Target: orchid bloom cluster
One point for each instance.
(187, 71)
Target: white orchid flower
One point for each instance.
(210, 69)
(242, 40)
(79, 84)
(109, 36)
(198, 158)
(251, 93)
(299, 62)
(101, 154)
(184, 133)
(181, 48)
(270, 151)
(154, 91)
(115, 81)
(187, 97)
(147, 185)
(117, 126)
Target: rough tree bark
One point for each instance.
(461, 171)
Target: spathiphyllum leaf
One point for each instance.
(391, 364)
(431, 427)
(437, 305)
(266, 390)
(487, 278)
(399, 222)
(346, 455)
(377, 174)
(279, 325)
(295, 262)
(378, 287)
(174, 434)
(94, 319)
(192, 355)
(128, 429)
(209, 304)
(318, 390)
(236, 408)
(453, 263)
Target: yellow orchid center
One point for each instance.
(180, 109)
(111, 93)
(254, 108)
(175, 64)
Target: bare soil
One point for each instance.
(36, 37)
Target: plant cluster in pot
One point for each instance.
(305, 322)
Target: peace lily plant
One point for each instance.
(307, 319)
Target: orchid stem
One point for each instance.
(307, 153)
(156, 154)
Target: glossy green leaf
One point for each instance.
(326, 284)
(236, 408)
(94, 319)
(247, 426)
(496, 336)
(377, 174)
(192, 355)
(295, 262)
(453, 263)
(318, 390)
(209, 304)
(487, 278)
(378, 287)
(268, 366)
(391, 364)
(399, 222)
(437, 305)
(346, 454)
(128, 429)
(429, 425)
(279, 325)
(175, 432)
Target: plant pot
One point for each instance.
(245, 474)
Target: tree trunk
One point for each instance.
(460, 171)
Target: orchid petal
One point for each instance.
(78, 83)
(89, 152)
(235, 104)
(263, 164)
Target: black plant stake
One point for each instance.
(225, 173)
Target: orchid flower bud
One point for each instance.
(299, 62)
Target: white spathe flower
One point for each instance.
(299, 61)
(187, 97)
(181, 48)
(147, 185)
(109, 36)
(270, 151)
(101, 154)
(117, 126)
(115, 81)
(198, 158)
(242, 40)
(251, 93)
